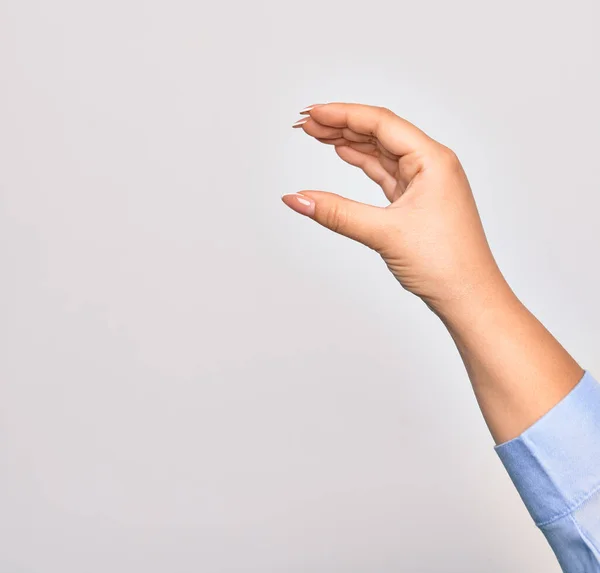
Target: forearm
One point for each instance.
(540, 408)
(518, 370)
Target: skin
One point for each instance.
(432, 240)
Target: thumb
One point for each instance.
(358, 221)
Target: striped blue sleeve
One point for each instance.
(555, 466)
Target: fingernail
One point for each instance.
(308, 108)
(301, 121)
(299, 203)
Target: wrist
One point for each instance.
(474, 302)
(519, 371)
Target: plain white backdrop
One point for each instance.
(193, 378)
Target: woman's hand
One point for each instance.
(430, 235)
(431, 238)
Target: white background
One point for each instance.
(193, 378)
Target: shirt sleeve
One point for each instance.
(555, 466)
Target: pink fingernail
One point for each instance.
(309, 108)
(299, 203)
(301, 121)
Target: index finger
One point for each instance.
(397, 135)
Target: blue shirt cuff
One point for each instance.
(555, 463)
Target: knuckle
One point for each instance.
(337, 219)
(446, 158)
(386, 112)
(449, 156)
(383, 115)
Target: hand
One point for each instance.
(430, 235)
